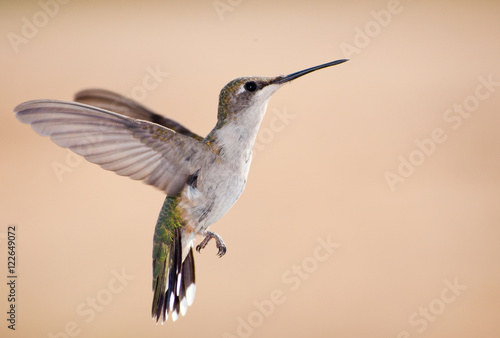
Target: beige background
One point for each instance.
(319, 175)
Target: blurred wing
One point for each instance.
(120, 104)
(139, 149)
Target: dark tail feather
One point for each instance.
(173, 279)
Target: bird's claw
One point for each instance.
(222, 250)
(218, 242)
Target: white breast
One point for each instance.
(217, 190)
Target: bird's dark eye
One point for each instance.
(250, 86)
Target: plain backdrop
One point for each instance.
(393, 158)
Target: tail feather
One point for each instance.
(188, 286)
(173, 276)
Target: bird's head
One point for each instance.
(246, 98)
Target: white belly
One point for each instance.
(216, 192)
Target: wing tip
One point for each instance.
(26, 105)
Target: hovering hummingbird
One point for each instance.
(202, 177)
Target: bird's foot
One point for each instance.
(218, 242)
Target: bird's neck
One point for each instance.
(234, 137)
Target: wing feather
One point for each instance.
(140, 149)
(120, 104)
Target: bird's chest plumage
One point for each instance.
(218, 186)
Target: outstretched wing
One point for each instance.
(120, 104)
(139, 149)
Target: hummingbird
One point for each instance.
(202, 176)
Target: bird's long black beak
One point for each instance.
(295, 75)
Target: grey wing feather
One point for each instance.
(139, 149)
(120, 104)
